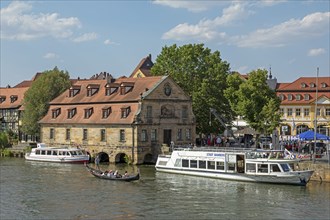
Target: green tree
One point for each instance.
(254, 100)
(202, 75)
(49, 85)
(4, 142)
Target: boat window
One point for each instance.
(211, 165)
(274, 168)
(250, 167)
(80, 153)
(73, 152)
(185, 163)
(37, 151)
(177, 163)
(60, 153)
(220, 165)
(231, 166)
(162, 163)
(193, 163)
(285, 167)
(262, 168)
(43, 152)
(49, 152)
(68, 153)
(202, 164)
(54, 152)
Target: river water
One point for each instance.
(39, 190)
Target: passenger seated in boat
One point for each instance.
(126, 174)
(117, 174)
(110, 173)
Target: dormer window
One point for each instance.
(111, 88)
(298, 97)
(72, 112)
(92, 89)
(88, 112)
(303, 85)
(290, 97)
(13, 98)
(306, 97)
(281, 96)
(2, 99)
(125, 112)
(74, 90)
(126, 88)
(56, 112)
(323, 85)
(106, 112)
(312, 85)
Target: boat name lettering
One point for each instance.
(215, 155)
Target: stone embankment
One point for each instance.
(321, 169)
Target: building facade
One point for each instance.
(305, 104)
(121, 118)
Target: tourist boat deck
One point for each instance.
(252, 165)
(57, 154)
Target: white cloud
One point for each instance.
(206, 29)
(109, 42)
(50, 56)
(315, 24)
(18, 23)
(193, 6)
(85, 37)
(316, 52)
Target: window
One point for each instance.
(103, 135)
(298, 97)
(67, 134)
(85, 134)
(185, 163)
(74, 90)
(126, 88)
(13, 98)
(262, 168)
(202, 164)
(306, 97)
(303, 85)
(306, 112)
(323, 85)
(106, 112)
(289, 111)
(250, 167)
(56, 112)
(211, 165)
(184, 112)
(72, 112)
(188, 134)
(220, 165)
(88, 112)
(281, 96)
(318, 111)
(109, 90)
(125, 112)
(122, 135)
(290, 97)
(149, 111)
(312, 85)
(179, 134)
(274, 168)
(231, 166)
(153, 135)
(282, 111)
(144, 136)
(193, 163)
(327, 111)
(2, 99)
(298, 111)
(51, 133)
(92, 89)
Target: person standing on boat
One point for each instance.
(97, 161)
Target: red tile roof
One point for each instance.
(144, 66)
(7, 93)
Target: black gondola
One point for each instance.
(102, 175)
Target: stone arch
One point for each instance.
(302, 128)
(104, 157)
(285, 129)
(148, 159)
(120, 158)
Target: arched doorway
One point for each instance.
(148, 159)
(121, 158)
(302, 128)
(104, 157)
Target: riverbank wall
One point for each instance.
(321, 169)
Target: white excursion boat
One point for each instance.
(54, 154)
(234, 164)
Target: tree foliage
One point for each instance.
(45, 88)
(202, 75)
(254, 100)
(4, 142)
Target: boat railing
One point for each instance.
(213, 149)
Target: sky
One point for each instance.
(88, 37)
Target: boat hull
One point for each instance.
(58, 160)
(99, 174)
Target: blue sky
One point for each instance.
(89, 37)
